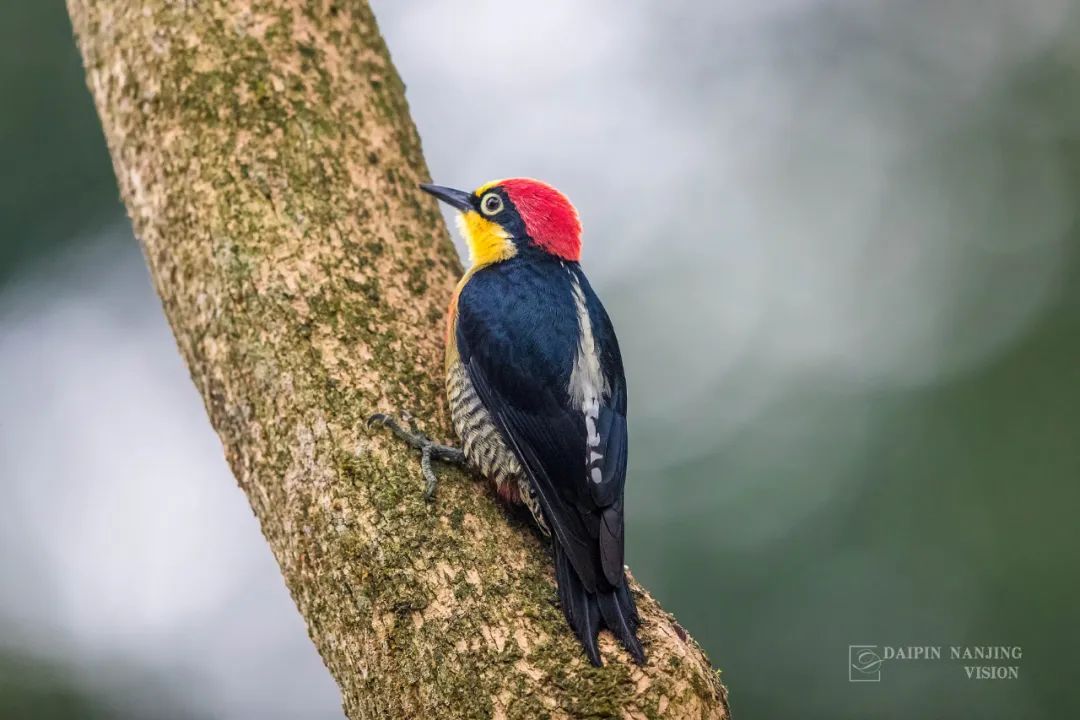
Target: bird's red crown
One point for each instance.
(550, 219)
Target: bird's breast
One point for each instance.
(482, 443)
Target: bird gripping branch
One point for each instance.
(537, 393)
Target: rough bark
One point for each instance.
(267, 159)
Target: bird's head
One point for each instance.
(502, 218)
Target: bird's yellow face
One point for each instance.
(484, 222)
(488, 241)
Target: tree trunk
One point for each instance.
(267, 159)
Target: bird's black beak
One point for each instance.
(454, 198)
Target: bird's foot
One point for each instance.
(429, 450)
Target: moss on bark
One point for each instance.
(267, 159)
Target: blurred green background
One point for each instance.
(840, 243)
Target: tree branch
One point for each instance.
(267, 159)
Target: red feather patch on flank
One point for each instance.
(550, 219)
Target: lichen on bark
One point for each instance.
(269, 165)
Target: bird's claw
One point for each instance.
(430, 479)
(428, 449)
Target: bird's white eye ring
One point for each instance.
(491, 204)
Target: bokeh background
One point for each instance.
(840, 241)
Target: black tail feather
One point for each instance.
(617, 619)
(580, 609)
(626, 602)
(584, 611)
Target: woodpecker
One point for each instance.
(537, 393)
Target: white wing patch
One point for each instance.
(588, 387)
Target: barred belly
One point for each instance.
(484, 446)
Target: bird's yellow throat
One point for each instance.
(488, 242)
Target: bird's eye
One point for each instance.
(492, 204)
